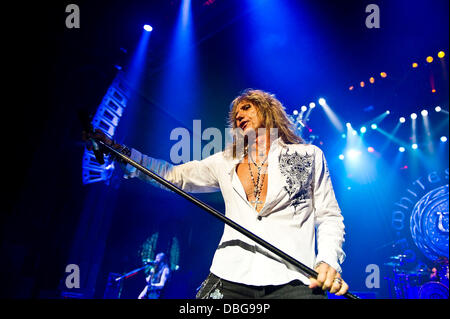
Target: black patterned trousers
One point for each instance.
(217, 288)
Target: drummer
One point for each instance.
(440, 271)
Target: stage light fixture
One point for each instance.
(351, 88)
(441, 54)
(438, 108)
(343, 135)
(370, 149)
(424, 112)
(429, 59)
(443, 139)
(415, 65)
(148, 28)
(304, 108)
(106, 119)
(383, 74)
(413, 116)
(373, 126)
(402, 120)
(372, 80)
(362, 84)
(322, 101)
(341, 157)
(348, 124)
(414, 146)
(295, 112)
(363, 129)
(354, 132)
(401, 149)
(312, 105)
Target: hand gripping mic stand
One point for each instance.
(306, 270)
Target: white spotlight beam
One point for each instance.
(333, 118)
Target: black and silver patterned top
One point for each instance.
(297, 170)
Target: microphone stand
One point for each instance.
(132, 273)
(305, 269)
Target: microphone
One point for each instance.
(87, 126)
(97, 152)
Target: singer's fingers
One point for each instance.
(343, 290)
(100, 135)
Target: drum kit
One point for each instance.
(420, 283)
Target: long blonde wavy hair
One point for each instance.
(272, 113)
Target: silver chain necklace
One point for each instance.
(257, 185)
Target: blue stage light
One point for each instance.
(401, 149)
(443, 139)
(148, 28)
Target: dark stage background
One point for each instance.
(299, 50)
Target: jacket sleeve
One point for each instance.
(328, 218)
(193, 177)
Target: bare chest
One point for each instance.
(254, 181)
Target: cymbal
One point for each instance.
(398, 257)
(392, 264)
(410, 273)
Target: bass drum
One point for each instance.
(433, 290)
